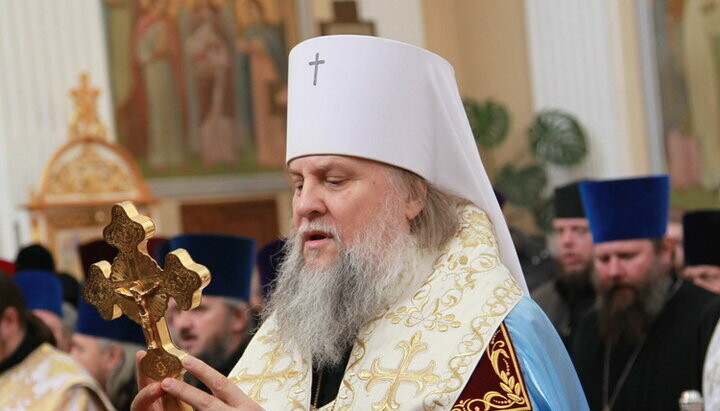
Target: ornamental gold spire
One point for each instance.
(84, 121)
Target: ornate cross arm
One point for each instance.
(134, 285)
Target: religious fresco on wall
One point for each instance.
(199, 87)
(687, 49)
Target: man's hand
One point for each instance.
(170, 393)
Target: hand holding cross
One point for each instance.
(135, 285)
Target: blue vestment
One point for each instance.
(550, 376)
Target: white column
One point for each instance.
(306, 23)
(651, 86)
(44, 45)
(577, 65)
(7, 225)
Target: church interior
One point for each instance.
(172, 114)
(604, 64)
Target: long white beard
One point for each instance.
(321, 310)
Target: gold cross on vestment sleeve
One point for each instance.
(134, 285)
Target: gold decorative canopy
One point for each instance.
(81, 181)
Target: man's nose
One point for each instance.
(615, 268)
(309, 202)
(180, 320)
(566, 238)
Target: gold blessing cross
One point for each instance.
(135, 285)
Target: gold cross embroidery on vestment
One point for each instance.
(266, 375)
(401, 374)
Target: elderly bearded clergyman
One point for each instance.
(401, 288)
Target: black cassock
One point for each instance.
(668, 363)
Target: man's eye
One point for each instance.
(335, 182)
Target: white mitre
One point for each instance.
(394, 103)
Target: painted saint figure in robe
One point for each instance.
(156, 51)
(209, 52)
(267, 66)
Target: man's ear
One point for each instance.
(666, 250)
(9, 322)
(239, 318)
(413, 206)
(113, 357)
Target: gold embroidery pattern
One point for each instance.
(468, 266)
(475, 231)
(346, 394)
(43, 380)
(268, 374)
(493, 312)
(297, 395)
(378, 374)
(504, 363)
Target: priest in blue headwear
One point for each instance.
(44, 297)
(36, 257)
(645, 342)
(218, 330)
(400, 287)
(107, 351)
(106, 348)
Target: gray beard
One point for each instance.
(322, 310)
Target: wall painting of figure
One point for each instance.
(199, 87)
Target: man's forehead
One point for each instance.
(575, 221)
(212, 300)
(620, 246)
(328, 161)
(85, 339)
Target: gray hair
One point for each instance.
(439, 219)
(235, 303)
(239, 305)
(117, 381)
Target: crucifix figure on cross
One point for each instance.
(134, 285)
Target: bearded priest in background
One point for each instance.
(401, 287)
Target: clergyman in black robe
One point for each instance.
(645, 342)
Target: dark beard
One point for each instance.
(576, 286)
(629, 325)
(216, 355)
